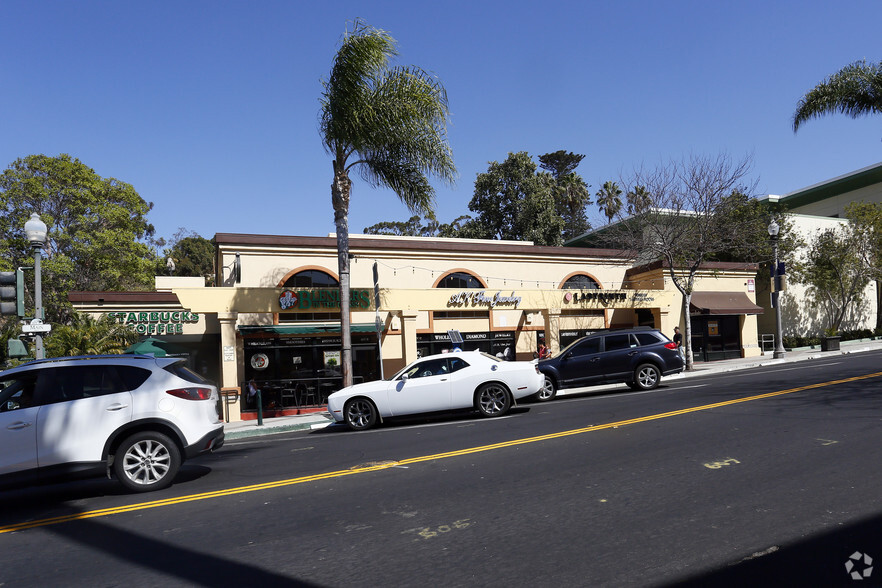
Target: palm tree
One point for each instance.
(391, 122)
(608, 199)
(639, 200)
(86, 335)
(854, 90)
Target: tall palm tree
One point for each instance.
(391, 122)
(609, 199)
(854, 90)
(639, 200)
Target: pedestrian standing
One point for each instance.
(678, 339)
(544, 353)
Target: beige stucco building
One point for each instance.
(275, 316)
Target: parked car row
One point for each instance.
(476, 380)
(137, 418)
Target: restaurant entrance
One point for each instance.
(296, 374)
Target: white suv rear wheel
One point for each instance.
(147, 461)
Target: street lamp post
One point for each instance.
(36, 230)
(776, 283)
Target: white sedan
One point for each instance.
(448, 381)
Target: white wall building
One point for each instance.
(811, 210)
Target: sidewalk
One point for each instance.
(320, 420)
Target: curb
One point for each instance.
(257, 431)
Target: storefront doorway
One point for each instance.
(716, 337)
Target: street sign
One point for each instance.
(36, 326)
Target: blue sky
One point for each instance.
(210, 108)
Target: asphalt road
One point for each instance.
(768, 477)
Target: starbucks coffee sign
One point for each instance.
(156, 323)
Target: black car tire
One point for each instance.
(146, 461)
(646, 377)
(492, 400)
(360, 414)
(548, 391)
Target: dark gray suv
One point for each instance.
(638, 357)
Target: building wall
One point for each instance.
(834, 207)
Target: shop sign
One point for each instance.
(260, 361)
(643, 297)
(468, 298)
(156, 323)
(594, 296)
(322, 298)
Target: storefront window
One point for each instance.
(581, 282)
(501, 344)
(298, 372)
(716, 337)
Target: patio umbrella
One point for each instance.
(155, 347)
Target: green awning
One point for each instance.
(316, 329)
(156, 347)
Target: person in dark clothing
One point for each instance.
(678, 339)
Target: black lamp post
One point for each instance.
(776, 284)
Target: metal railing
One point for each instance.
(293, 393)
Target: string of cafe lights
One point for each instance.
(506, 282)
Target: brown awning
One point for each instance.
(723, 303)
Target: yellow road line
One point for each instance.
(385, 465)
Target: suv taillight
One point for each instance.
(191, 393)
(671, 345)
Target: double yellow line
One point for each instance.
(384, 465)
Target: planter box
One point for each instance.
(830, 343)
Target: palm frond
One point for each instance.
(855, 90)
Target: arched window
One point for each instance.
(306, 280)
(460, 281)
(581, 282)
(311, 279)
(595, 318)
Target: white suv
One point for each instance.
(129, 416)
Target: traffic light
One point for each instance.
(12, 292)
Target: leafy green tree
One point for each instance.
(99, 237)
(855, 90)
(85, 335)
(570, 191)
(513, 202)
(391, 122)
(866, 220)
(609, 199)
(191, 255)
(835, 271)
(752, 244)
(415, 226)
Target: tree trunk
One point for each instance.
(687, 339)
(878, 305)
(340, 191)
